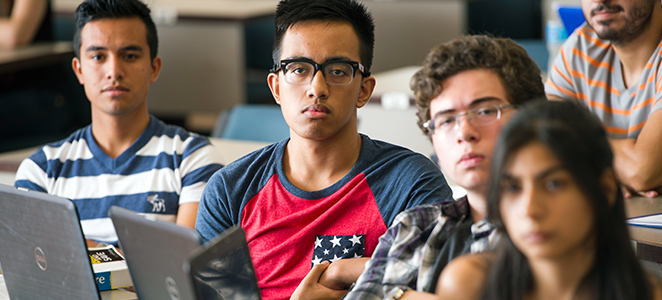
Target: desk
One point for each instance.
(9, 162)
(647, 242)
(232, 150)
(223, 9)
(105, 295)
(34, 55)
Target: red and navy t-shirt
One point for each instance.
(288, 229)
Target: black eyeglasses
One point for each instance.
(335, 72)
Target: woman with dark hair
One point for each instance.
(555, 202)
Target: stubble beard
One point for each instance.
(636, 22)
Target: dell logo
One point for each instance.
(40, 257)
(171, 287)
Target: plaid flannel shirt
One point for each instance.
(407, 252)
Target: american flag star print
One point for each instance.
(335, 247)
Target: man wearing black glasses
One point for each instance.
(327, 193)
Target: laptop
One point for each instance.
(155, 252)
(42, 247)
(223, 268)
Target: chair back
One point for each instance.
(253, 122)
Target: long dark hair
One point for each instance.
(576, 138)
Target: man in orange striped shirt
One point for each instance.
(613, 64)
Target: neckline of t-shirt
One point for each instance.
(325, 192)
(113, 163)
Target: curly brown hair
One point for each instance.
(519, 74)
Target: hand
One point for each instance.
(310, 288)
(629, 192)
(91, 243)
(341, 274)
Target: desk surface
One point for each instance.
(35, 55)
(639, 206)
(105, 295)
(212, 9)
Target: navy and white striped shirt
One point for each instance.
(165, 167)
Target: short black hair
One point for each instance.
(291, 12)
(91, 10)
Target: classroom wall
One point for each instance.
(203, 68)
(407, 30)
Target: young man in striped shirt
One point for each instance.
(612, 64)
(126, 157)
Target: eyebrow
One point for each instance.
(132, 48)
(541, 175)
(473, 103)
(332, 58)
(125, 48)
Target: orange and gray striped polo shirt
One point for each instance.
(588, 70)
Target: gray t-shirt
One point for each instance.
(588, 70)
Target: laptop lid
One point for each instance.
(223, 269)
(155, 252)
(42, 248)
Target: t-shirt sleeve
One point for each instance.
(32, 173)
(215, 213)
(559, 82)
(429, 186)
(200, 161)
(658, 89)
(412, 181)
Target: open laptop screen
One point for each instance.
(42, 248)
(155, 252)
(223, 269)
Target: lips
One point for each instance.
(606, 9)
(116, 90)
(316, 111)
(536, 237)
(471, 159)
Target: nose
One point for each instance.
(318, 87)
(466, 132)
(114, 68)
(532, 203)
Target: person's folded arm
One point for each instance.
(638, 162)
(552, 97)
(23, 23)
(186, 214)
(341, 274)
(310, 287)
(464, 278)
(373, 282)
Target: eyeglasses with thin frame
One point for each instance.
(335, 72)
(481, 115)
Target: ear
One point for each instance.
(367, 87)
(156, 69)
(274, 86)
(610, 185)
(75, 64)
